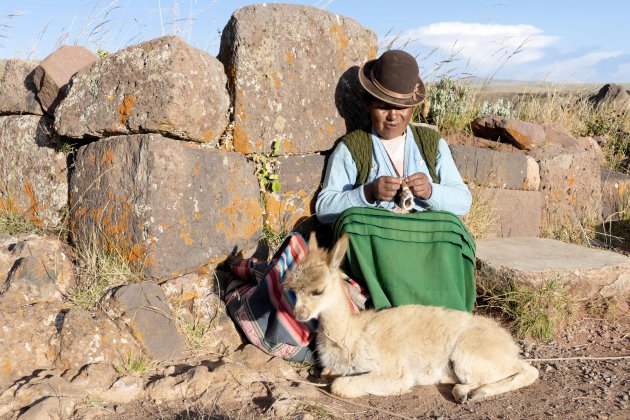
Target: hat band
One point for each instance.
(386, 91)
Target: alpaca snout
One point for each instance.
(302, 314)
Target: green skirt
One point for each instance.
(425, 258)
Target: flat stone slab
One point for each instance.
(588, 272)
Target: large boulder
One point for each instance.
(171, 205)
(53, 74)
(33, 173)
(17, 88)
(571, 185)
(491, 168)
(522, 134)
(293, 76)
(159, 86)
(611, 94)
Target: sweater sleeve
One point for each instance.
(451, 194)
(338, 192)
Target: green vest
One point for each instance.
(359, 143)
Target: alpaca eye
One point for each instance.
(318, 292)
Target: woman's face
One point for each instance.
(389, 121)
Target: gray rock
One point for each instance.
(33, 174)
(53, 74)
(29, 282)
(571, 186)
(611, 93)
(17, 88)
(145, 310)
(159, 86)
(293, 76)
(124, 390)
(587, 272)
(50, 252)
(300, 178)
(86, 339)
(169, 205)
(514, 213)
(490, 168)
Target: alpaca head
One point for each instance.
(315, 279)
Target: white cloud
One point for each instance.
(579, 69)
(484, 47)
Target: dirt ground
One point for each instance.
(589, 380)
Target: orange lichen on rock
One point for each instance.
(242, 216)
(208, 135)
(33, 204)
(187, 239)
(241, 139)
(372, 52)
(339, 33)
(289, 56)
(126, 108)
(137, 253)
(108, 157)
(282, 211)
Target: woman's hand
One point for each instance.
(383, 188)
(420, 185)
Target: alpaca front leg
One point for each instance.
(371, 383)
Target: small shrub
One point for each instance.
(136, 365)
(536, 312)
(498, 107)
(267, 168)
(452, 104)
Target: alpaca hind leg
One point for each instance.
(371, 383)
(525, 375)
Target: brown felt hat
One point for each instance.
(393, 78)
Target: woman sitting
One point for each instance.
(424, 257)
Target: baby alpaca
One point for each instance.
(389, 351)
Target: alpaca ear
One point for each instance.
(312, 242)
(338, 252)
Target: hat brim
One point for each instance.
(370, 87)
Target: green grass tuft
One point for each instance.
(537, 312)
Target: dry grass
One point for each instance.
(481, 220)
(97, 271)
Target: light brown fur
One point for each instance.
(389, 351)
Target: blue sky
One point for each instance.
(559, 41)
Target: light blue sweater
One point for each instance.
(338, 192)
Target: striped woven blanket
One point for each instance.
(262, 307)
